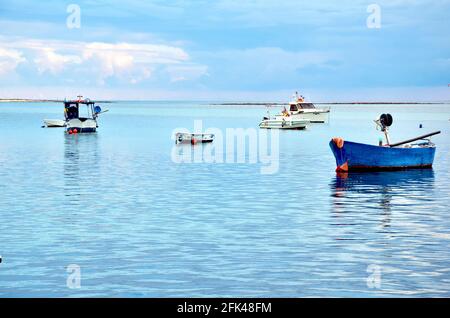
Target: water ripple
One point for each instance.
(141, 225)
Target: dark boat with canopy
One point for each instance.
(81, 119)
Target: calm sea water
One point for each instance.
(138, 224)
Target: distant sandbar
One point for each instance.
(29, 100)
(330, 103)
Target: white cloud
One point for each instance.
(135, 61)
(9, 60)
(47, 60)
(129, 62)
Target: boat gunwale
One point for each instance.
(430, 145)
(387, 168)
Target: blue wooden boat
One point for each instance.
(352, 156)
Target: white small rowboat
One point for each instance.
(54, 123)
(193, 138)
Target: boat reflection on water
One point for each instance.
(380, 193)
(81, 164)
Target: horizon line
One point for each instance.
(225, 102)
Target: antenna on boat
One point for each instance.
(384, 122)
(268, 111)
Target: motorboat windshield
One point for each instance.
(72, 109)
(298, 106)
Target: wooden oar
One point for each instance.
(414, 139)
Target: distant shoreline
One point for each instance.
(29, 100)
(332, 103)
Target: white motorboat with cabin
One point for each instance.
(299, 109)
(299, 115)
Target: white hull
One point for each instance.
(82, 125)
(193, 138)
(54, 123)
(318, 116)
(284, 123)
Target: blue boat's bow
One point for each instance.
(337, 147)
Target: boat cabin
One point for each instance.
(295, 107)
(72, 109)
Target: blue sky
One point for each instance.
(233, 50)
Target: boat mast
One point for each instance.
(384, 122)
(386, 134)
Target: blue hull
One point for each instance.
(355, 156)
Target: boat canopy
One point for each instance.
(76, 103)
(72, 108)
